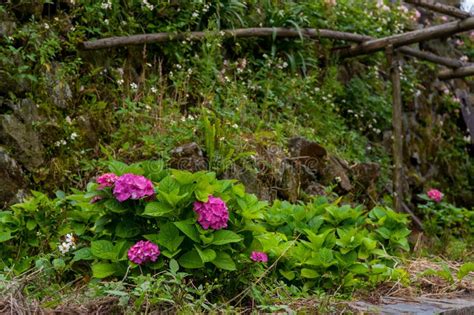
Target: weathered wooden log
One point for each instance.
(448, 62)
(240, 32)
(262, 32)
(456, 73)
(408, 38)
(393, 59)
(440, 8)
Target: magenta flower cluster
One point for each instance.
(435, 195)
(106, 180)
(259, 257)
(143, 252)
(131, 186)
(212, 214)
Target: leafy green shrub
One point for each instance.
(443, 219)
(327, 245)
(319, 244)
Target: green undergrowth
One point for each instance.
(320, 246)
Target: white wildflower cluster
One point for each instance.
(154, 90)
(464, 58)
(60, 143)
(206, 7)
(134, 86)
(73, 136)
(68, 244)
(148, 5)
(106, 5)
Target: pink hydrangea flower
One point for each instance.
(212, 214)
(131, 186)
(106, 180)
(435, 195)
(259, 257)
(143, 252)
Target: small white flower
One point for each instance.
(46, 26)
(133, 86)
(467, 138)
(73, 136)
(154, 90)
(68, 120)
(106, 22)
(63, 142)
(285, 64)
(106, 5)
(338, 179)
(120, 81)
(464, 58)
(195, 14)
(148, 64)
(235, 126)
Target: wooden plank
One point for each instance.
(440, 8)
(393, 59)
(448, 62)
(456, 73)
(408, 38)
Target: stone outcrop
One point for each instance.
(13, 186)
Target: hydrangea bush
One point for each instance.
(142, 217)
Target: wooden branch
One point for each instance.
(440, 8)
(259, 32)
(456, 73)
(398, 40)
(393, 60)
(448, 62)
(242, 33)
(416, 220)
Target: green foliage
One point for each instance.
(319, 244)
(322, 243)
(444, 219)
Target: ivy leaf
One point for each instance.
(191, 260)
(224, 261)
(222, 237)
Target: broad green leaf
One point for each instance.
(207, 255)
(59, 263)
(289, 275)
(115, 206)
(465, 269)
(309, 273)
(174, 266)
(103, 270)
(222, 237)
(183, 177)
(224, 261)
(191, 260)
(83, 254)
(172, 198)
(157, 209)
(126, 229)
(359, 268)
(103, 249)
(30, 224)
(169, 237)
(189, 229)
(5, 236)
